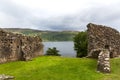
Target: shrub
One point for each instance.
(80, 44)
(52, 51)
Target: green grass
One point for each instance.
(59, 68)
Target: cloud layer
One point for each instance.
(16, 15)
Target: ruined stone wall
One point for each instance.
(103, 64)
(18, 47)
(100, 36)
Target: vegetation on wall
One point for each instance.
(80, 44)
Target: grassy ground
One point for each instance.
(59, 68)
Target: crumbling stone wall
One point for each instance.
(103, 43)
(103, 64)
(18, 47)
(99, 36)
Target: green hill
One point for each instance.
(46, 35)
(59, 68)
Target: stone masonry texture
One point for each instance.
(103, 44)
(15, 47)
(100, 36)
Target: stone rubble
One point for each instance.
(103, 61)
(6, 77)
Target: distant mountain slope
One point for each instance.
(46, 35)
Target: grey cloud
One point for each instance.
(17, 16)
(13, 9)
(57, 23)
(105, 15)
(25, 18)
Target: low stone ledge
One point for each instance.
(6, 77)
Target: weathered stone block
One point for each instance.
(6, 77)
(103, 61)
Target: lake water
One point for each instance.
(66, 48)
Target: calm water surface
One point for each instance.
(66, 48)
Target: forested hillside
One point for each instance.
(46, 35)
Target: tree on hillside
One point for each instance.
(80, 44)
(52, 51)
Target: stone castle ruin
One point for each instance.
(15, 47)
(103, 43)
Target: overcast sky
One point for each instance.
(59, 14)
